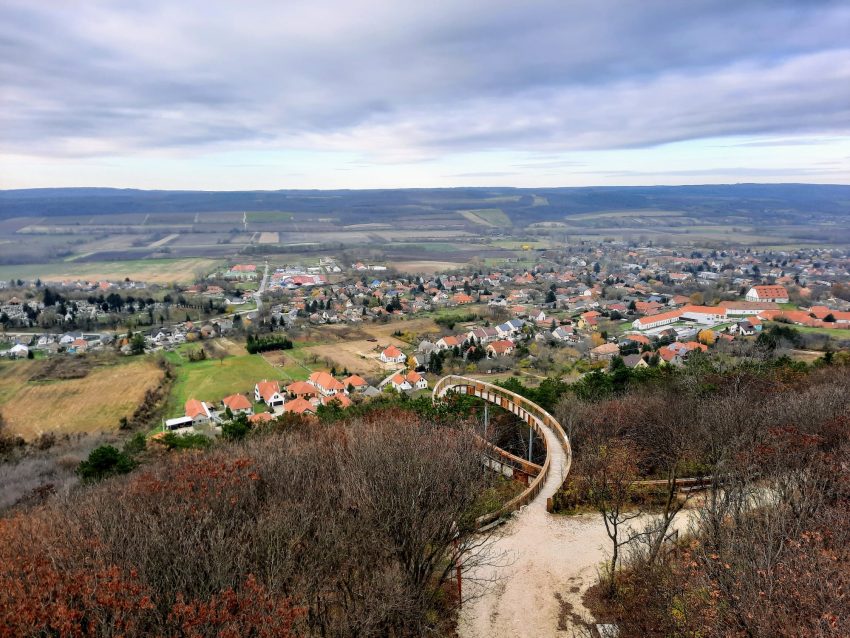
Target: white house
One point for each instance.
(238, 403)
(269, 393)
(775, 294)
(565, 333)
(410, 381)
(19, 350)
(450, 341)
(510, 327)
(483, 335)
(198, 411)
(393, 355)
(417, 380)
(327, 384)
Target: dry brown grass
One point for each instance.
(226, 346)
(94, 403)
(360, 356)
(414, 326)
(149, 270)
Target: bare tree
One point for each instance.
(610, 470)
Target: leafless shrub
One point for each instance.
(357, 525)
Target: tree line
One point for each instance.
(266, 343)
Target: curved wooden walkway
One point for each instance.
(555, 468)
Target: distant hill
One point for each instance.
(756, 202)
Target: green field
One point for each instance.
(488, 217)
(430, 246)
(517, 244)
(836, 333)
(270, 216)
(212, 380)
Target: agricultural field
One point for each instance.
(270, 216)
(430, 246)
(493, 217)
(630, 214)
(149, 270)
(269, 237)
(418, 326)
(93, 403)
(523, 244)
(427, 267)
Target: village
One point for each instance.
(330, 334)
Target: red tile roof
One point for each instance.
(325, 381)
(195, 408)
(771, 292)
(299, 406)
(343, 400)
(355, 380)
(268, 389)
(501, 346)
(391, 352)
(302, 388)
(237, 402)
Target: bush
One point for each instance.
(45, 441)
(136, 444)
(105, 461)
(236, 429)
(339, 531)
(174, 441)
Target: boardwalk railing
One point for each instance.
(539, 420)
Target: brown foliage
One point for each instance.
(338, 531)
(771, 550)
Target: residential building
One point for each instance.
(269, 393)
(500, 348)
(327, 384)
(238, 404)
(775, 294)
(392, 354)
(198, 411)
(355, 381)
(605, 352)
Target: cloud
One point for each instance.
(394, 82)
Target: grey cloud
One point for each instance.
(395, 81)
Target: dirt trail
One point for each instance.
(522, 589)
(544, 565)
(538, 569)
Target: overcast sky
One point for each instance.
(390, 93)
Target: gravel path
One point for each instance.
(537, 568)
